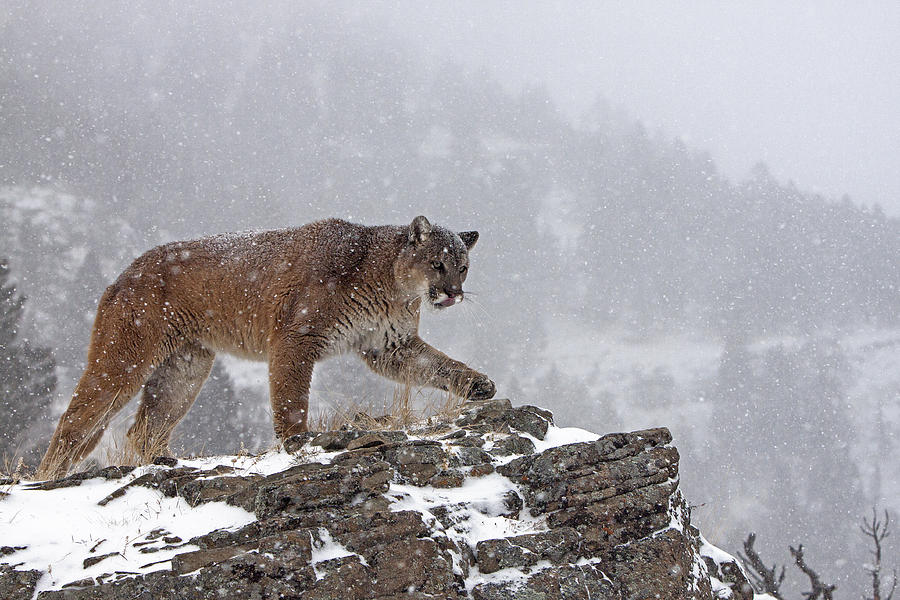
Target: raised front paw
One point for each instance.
(480, 388)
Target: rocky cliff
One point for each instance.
(499, 504)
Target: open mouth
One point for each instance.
(448, 301)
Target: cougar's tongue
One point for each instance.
(449, 301)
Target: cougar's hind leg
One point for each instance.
(103, 391)
(168, 395)
(121, 356)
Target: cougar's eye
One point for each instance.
(438, 265)
(463, 268)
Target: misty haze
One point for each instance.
(623, 278)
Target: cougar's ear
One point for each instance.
(419, 230)
(469, 238)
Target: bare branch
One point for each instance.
(878, 531)
(818, 588)
(764, 579)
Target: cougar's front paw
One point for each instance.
(481, 388)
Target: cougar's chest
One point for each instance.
(361, 321)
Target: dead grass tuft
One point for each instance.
(15, 470)
(140, 448)
(410, 406)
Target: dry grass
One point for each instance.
(51, 470)
(450, 408)
(122, 451)
(351, 414)
(15, 470)
(409, 406)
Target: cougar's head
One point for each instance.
(434, 262)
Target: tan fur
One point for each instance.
(291, 297)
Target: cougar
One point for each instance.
(291, 297)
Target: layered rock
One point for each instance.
(486, 507)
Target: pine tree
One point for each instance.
(780, 445)
(27, 378)
(218, 422)
(82, 298)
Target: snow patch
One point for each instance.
(510, 575)
(266, 463)
(327, 548)
(476, 508)
(561, 436)
(715, 553)
(61, 528)
(721, 589)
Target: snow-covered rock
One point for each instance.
(498, 504)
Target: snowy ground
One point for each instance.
(142, 530)
(63, 527)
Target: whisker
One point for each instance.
(480, 307)
(477, 320)
(468, 316)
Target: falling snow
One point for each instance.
(623, 278)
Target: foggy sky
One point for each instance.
(810, 88)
